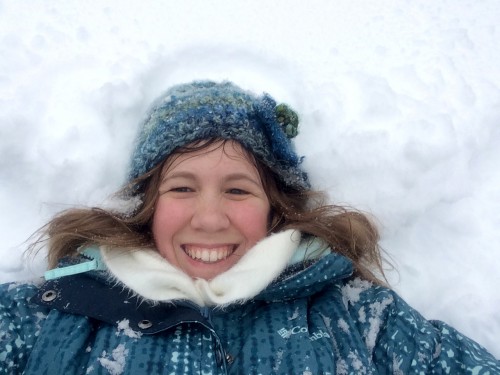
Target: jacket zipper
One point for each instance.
(222, 357)
(206, 313)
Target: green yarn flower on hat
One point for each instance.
(288, 120)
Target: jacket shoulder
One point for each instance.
(397, 335)
(20, 324)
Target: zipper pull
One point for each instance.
(206, 313)
(95, 263)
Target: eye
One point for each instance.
(236, 191)
(181, 189)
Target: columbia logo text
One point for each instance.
(286, 333)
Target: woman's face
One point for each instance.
(211, 210)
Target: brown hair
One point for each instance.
(346, 231)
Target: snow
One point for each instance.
(351, 292)
(399, 101)
(376, 310)
(123, 327)
(342, 324)
(116, 363)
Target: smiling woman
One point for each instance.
(231, 263)
(211, 210)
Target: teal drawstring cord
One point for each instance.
(95, 263)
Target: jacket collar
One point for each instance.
(148, 274)
(114, 304)
(312, 277)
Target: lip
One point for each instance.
(209, 254)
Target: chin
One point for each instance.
(209, 272)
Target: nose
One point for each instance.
(209, 215)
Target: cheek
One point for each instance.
(167, 219)
(252, 221)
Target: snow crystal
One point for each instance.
(279, 359)
(295, 314)
(121, 205)
(124, 327)
(437, 351)
(422, 358)
(396, 370)
(352, 290)
(376, 309)
(343, 325)
(356, 363)
(116, 364)
(40, 315)
(342, 368)
(362, 314)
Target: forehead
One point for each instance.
(229, 153)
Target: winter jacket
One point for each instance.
(313, 317)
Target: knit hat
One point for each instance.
(204, 110)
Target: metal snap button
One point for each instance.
(144, 324)
(49, 296)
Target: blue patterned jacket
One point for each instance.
(314, 319)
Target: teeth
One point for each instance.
(208, 255)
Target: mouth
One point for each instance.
(209, 254)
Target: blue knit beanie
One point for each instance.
(205, 110)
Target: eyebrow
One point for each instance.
(243, 176)
(228, 178)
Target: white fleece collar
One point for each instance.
(149, 275)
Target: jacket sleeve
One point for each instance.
(20, 324)
(407, 343)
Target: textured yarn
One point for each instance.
(208, 110)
